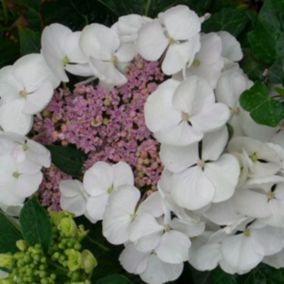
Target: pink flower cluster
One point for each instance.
(108, 125)
(48, 192)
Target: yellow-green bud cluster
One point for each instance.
(29, 265)
(66, 261)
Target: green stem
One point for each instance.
(97, 244)
(147, 7)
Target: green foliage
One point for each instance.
(231, 20)
(35, 224)
(68, 159)
(262, 107)
(9, 234)
(29, 41)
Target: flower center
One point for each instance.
(16, 174)
(23, 93)
(110, 190)
(253, 157)
(65, 60)
(247, 233)
(114, 60)
(196, 62)
(201, 163)
(184, 116)
(235, 110)
(25, 147)
(270, 195)
(171, 41)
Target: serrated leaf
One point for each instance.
(29, 41)
(68, 159)
(263, 108)
(9, 234)
(113, 279)
(35, 224)
(231, 20)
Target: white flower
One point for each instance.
(179, 113)
(199, 168)
(106, 56)
(24, 93)
(175, 33)
(231, 48)
(150, 268)
(246, 248)
(261, 158)
(61, 50)
(208, 62)
(263, 199)
(27, 153)
(100, 181)
(128, 27)
(231, 84)
(122, 210)
(16, 183)
(276, 260)
(73, 197)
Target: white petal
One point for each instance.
(28, 184)
(107, 72)
(70, 188)
(174, 247)
(159, 111)
(119, 214)
(126, 52)
(192, 189)
(72, 197)
(158, 272)
(152, 205)
(211, 118)
(204, 256)
(149, 243)
(80, 69)
(53, 42)
(178, 158)
(213, 144)
(39, 99)
(99, 42)
(98, 179)
(72, 48)
(239, 253)
(133, 260)
(231, 48)
(8, 92)
(180, 22)
(142, 226)
(224, 184)
(13, 119)
(151, 42)
(251, 203)
(122, 174)
(193, 95)
(179, 55)
(96, 206)
(181, 134)
(39, 72)
(276, 260)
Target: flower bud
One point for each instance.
(74, 259)
(22, 245)
(6, 260)
(89, 262)
(67, 227)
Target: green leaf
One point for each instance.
(9, 234)
(29, 41)
(68, 159)
(113, 279)
(262, 107)
(262, 44)
(276, 72)
(231, 20)
(35, 224)
(218, 276)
